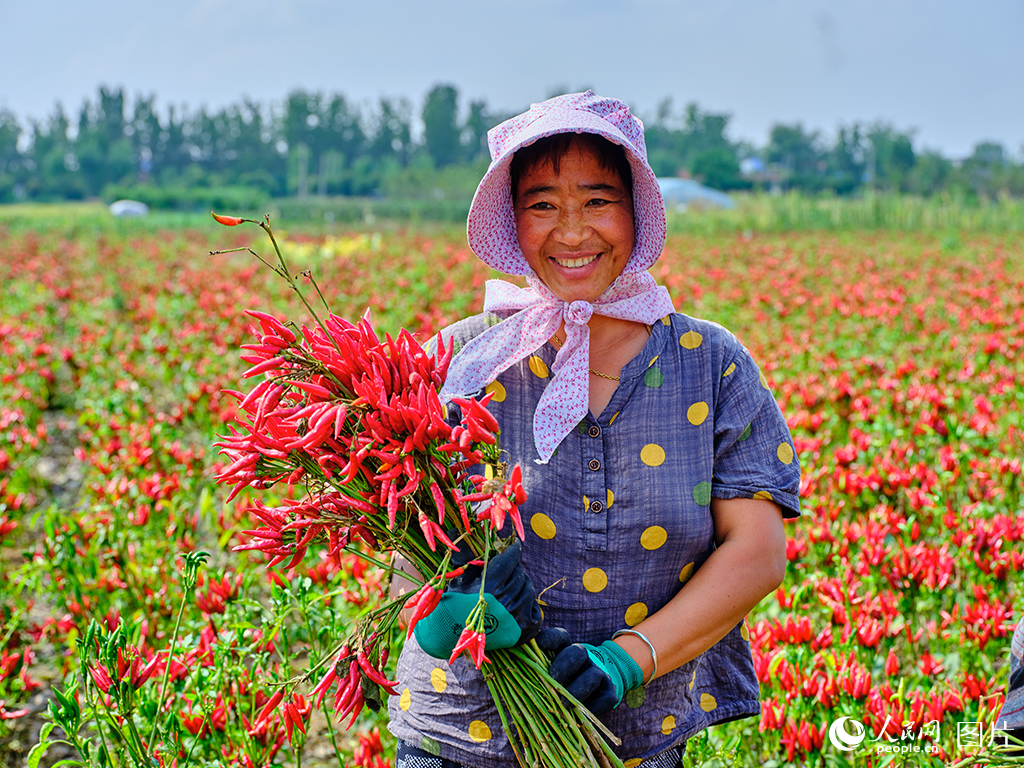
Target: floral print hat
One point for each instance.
(491, 227)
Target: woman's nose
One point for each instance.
(572, 226)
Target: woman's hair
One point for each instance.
(551, 149)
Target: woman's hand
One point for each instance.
(598, 676)
(748, 564)
(513, 614)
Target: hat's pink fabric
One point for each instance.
(538, 315)
(491, 227)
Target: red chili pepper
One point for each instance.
(435, 491)
(271, 324)
(227, 221)
(428, 532)
(270, 705)
(375, 674)
(314, 389)
(266, 365)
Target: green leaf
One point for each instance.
(45, 731)
(36, 753)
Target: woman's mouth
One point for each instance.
(576, 263)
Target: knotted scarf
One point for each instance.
(538, 315)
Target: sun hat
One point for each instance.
(491, 227)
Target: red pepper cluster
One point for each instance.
(358, 421)
(361, 419)
(348, 698)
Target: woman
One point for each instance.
(657, 463)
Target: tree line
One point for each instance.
(325, 144)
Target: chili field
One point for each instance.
(132, 634)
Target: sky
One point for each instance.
(949, 71)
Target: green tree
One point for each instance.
(891, 158)
(474, 132)
(674, 144)
(846, 163)
(985, 171)
(441, 133)
(718, 168)
(930, 175)
(799, 155)
(10, 159)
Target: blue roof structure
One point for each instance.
(681, 194)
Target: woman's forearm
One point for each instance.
(749, 563)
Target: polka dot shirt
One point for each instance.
(616, 523)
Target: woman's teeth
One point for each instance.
(575, 263)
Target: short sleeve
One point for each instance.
(754, 453)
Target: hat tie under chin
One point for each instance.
(538, 314)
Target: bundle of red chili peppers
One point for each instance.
(357, 422)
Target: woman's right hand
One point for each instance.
(513, 614)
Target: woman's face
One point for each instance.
(575, 227)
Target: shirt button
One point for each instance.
(594, 431)
(594, 464)
(596, 506)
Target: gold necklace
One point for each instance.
(558, 345)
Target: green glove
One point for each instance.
(513, 615)
(598, 676)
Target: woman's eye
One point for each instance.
(541, 206)
(597, 201)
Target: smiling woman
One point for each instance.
(657, 465)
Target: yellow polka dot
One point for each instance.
(405, 700)
(730, 369)
(653, 360)
(693, 679)
(543, 526)
(586, 503)
(666, 320)
(668, 725)
(696, 413)
(499, 391)
(612, 421)
(489, 471)
(444, 411)
(653, 455)
(653, 537)
(745, 631)
(707, 702)
(785, 453)
(611, 499)
(686, 573)
(478, 731)
(764, 381)
(690, 340)
(594, 580)
(636, 613)
(438, 679)
(763, 495)
(632, 763)
(539, 367)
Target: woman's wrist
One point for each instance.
(641, 650)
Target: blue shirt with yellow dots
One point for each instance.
(616, 523)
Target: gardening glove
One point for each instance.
(597, 676)
(513, 615)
